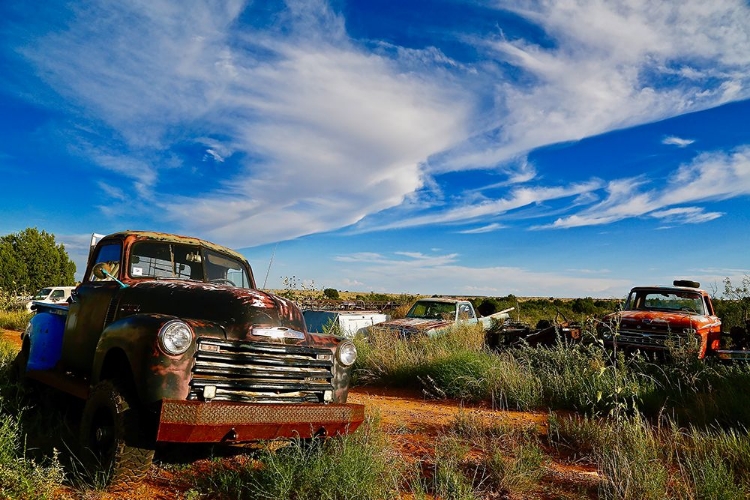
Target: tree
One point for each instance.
(584, 306)
(31, 259)
(331, 293)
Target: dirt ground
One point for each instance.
(413, 425)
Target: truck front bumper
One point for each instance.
(225, 422)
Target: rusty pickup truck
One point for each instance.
(168, 340)
(435, 315)
(655, 318)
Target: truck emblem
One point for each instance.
(278, 333)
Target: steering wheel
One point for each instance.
(224, 281)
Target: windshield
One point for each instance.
(433, 310)
(666, 301)
(43, 293)
(156, 259)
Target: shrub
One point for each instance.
(356, 466)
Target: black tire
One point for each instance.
(113, 436)
(18, 370)
(686, 283)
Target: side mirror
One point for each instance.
(105, 271)
(99, 271)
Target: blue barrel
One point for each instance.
(46, 335)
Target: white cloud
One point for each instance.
(685, 215)
(210, 153)
(440, 274)
(710, 176)
(327, 132)
(604, 69)
(676, 141)
(519, 197)
(489, 228)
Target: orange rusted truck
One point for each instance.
(168, 340)
(655, 318)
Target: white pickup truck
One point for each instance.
(435, 315)
(342, 323)
(50, 295)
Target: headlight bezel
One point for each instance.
(346, 353)
(167, 334)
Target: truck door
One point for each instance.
(466, 313)
(88, 310)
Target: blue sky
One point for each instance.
(539, 148)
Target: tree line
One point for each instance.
(30, 260)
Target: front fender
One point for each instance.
(156, 375)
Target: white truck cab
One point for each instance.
(51, 295)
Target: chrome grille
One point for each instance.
(642, 338)
(257, 372)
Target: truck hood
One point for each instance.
(659, 321)
(415, 324)
(240, 311)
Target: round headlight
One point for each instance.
(347, 353)
(175, 337)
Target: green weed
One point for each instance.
(357, 466)
(15, 319)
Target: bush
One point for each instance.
(356, 466)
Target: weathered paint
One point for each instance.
(111, 331)
(193, 422)
(650, 329)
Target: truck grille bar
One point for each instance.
(260, 372)
(650, 339)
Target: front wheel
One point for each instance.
(18, 370)
(112, 435)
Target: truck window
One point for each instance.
(433, 310)
(223, 268)
(43, 294)
(109, 254)
(156, 259)
(674, 301)
(465, 312)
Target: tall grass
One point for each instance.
(583, 377)
(21, 477)
(639, 460)
(356, 466)
(14, 319)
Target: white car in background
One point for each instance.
(51, 295)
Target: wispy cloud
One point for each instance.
(685, 215)
(711, 176)
(607, 65)
(676, 141)
(489, 228)
(440, 272)
(518, 197)
(327, 131)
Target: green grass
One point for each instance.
(356, 466)
(21, 477)
(14, 319)
(674, 429)
(638, 459)
(582, 377)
